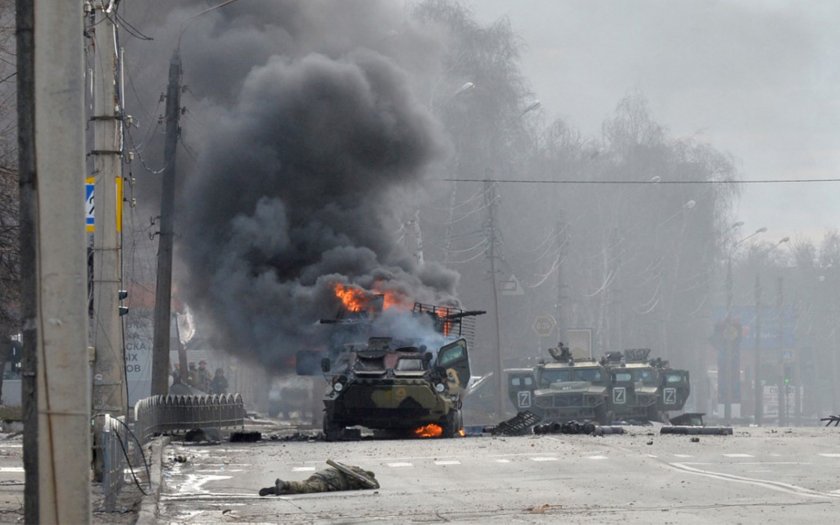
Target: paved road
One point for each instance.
(756, 476)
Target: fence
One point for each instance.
(158, 414)
(114, 449)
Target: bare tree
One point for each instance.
(9, 231)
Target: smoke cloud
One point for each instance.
(299, 180)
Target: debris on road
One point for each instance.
(304, 437)
(518, 425)
(196, 435)
(831, 419)
(575, 427)
(540, 509)
(703, 431)
(245, 436)
(695, 439)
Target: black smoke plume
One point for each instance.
(297, 187)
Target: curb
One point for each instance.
(149, 504)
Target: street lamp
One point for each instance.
(758, 392)
(728, 369)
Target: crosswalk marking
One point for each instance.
(596, 457)
(544, 459)
(502, 461)
(830, 455)
(303, 469)
(448, 462)
(683, 456)
(739, 455)
(400, 464)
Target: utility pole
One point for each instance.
(782, 386)
(561, 287)
(56, 389)
(163, 290)
(726, 380)
(109, 394)
(493, 240)
(758, 389)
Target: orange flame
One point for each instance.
(353, 299)
(447, 324)
(461, 433)
(392, 298)
(431, 430)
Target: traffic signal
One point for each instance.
(787, 373)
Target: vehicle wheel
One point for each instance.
(603, 416)
(452, 424)
(332, 431)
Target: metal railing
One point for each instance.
(158, 414)
(114, 449)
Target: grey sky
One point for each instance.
(757, 78)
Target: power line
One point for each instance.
(651, 182)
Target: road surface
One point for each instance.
(756, 476)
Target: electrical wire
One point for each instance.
(643, 182)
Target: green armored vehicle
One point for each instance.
(643, 390)
(386, 385)
(399, 385)
(564, 390)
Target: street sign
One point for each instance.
(511, 286)
(544, 325)
(580, 342)
(90, 183)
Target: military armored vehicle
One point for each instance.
(563, 390)
(400, 386)
(642, 389)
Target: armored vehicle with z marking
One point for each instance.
(642, 389)
(620, 386)
(563, 390)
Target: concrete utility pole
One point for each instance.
(56, 391)
(780, 299)
(758, 389)
(163, 290)
(493, 240)
(561, 287)
(109, 395)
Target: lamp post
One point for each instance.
(729, 350)
(758, 391)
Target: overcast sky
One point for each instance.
(757, 78)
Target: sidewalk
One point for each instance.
(11, 489)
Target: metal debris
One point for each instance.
(245, 437)
(831, 419)
(518, 425)
(703, 431)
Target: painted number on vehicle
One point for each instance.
(523, 399)
(669, 395)
(619, 395)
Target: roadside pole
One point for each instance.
(54, 289)
(163, 289)
(109, 366)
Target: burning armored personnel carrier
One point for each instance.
(621, 386)
(408, 384)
